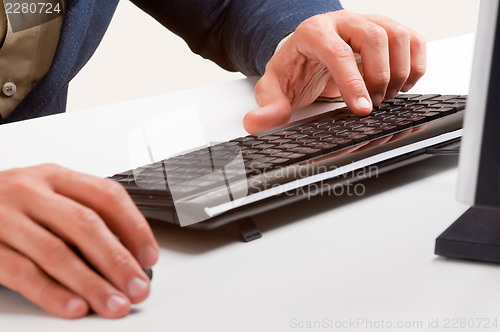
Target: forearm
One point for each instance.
(238, 35)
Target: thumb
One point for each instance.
(267, 117)
(275, 108)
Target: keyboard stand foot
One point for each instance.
(473, 236)
(248, 229)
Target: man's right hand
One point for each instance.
(46, 212)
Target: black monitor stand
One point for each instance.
(473, 236)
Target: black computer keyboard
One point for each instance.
(156, 187)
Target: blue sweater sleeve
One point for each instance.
(237, 34)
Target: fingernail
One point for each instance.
(76, 305)
(116, 303)
(138, 287)
(363, 104)
(149, 256)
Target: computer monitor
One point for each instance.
(476, 234)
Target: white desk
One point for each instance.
(336, 258)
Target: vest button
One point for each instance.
(9, 89)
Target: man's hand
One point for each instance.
(319, 59)
(46, 212)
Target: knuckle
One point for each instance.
(342, 51)
(400, 76)
(376, 35)
(53, 171)
(49, 168)
(142, 227)
(54, 253)
(418, 40)
(118, 260)
(378, 17)
(311, 22)
(45, 292)
(112, 191)
(18, 183)
(316, 26)
(381, 79)
(418, 70)
(85, 218)
(25, 270)
(354, 82)
(400, 33)
(347, 14)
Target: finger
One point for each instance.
(399, 53)
(338, 56)
(371, 41)
(114, 205)
(23, 276)
(54, 257)
(418, 53)
(84, 229)
(331, 90)
(275, 108)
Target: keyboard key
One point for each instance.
(355, 137)
(248, 151)
(428, 103)
(304, 141)
(301, 129)
(281, 162)
(385, 127)
(297, 157)
(443, 110)
(412, 107)
(254, 156)
(325, 147)
(252, 143)
(431, 115)
(269, 138)
(341, 142)
(264, 146)
(310, 152)
(337, 132)
(425, 97)
(407, 96)
(296, 137)
(269, 152)
(444, 97)
(457, 106)
(285, 133)
(287, 146)
(404, 125)
(312, 132)
(242, 139)
(281, 141)
(323, 136)
(374, 133)
(282, 155)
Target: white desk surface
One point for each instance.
(333, 260)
